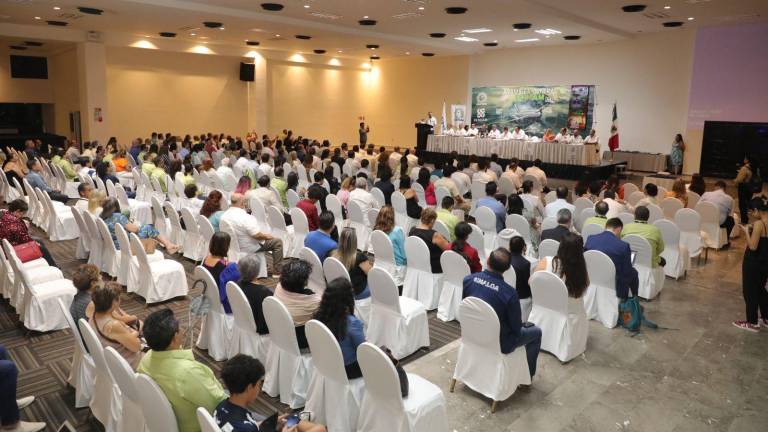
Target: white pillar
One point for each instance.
(92, 74)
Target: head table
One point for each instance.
(548, 152)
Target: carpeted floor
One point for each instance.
(44, 359)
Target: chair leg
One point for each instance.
(453, 385)
(493, 407)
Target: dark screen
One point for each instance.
(726, 143)
(29, 67)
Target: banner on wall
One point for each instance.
(458, 115)
(535, 108)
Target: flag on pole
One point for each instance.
(613, 142)
(443, 125)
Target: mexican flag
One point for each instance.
(613, 142)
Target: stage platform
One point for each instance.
(561, 171)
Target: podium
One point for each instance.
(423, 131)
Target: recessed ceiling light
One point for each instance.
(221, 28)
(428, 54)
(193, 34)
(319, 51)
(272, 7)
(572, 37)
(252, 43)
(667, 7)
(90, 11)
(421, 7)
(455, 10)
(57, 23)
(548, 31)
(37, 18)
(437, 35)
(633, 8)
(367, 22)
(491, 44)
(521, 26)
(372, 46)
(167, 34)
(673, 24)
(56, 8)
(465, 39)
(478, 30)
(277, 35)
(340, 51)
(212, 24)
(375, 57)
(306, 6)
(527, 40)
(407, 53)
(691, 18)
(365, 17)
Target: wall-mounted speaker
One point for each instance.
(247, 71)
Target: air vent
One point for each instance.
(656, 15)
(372, 46)
(428, 54)
(252, 43)
(491, 44)
(633, 8)
(325, 15)
(303, 37)
(367, 22)
(57, 23)
(212, 24)
(521, 26)
(572, 37)
(673, 24)
(437, 35)
(319, 51)
(17, 47)
(167, 34)
(272, 7)
(33, 43)
(407, 15)
(90, 11)
(455, 10)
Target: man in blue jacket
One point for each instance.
(489, 286)
(609, 242)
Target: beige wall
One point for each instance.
(648, 76)
(64, 81)
(149, 90)
(22, 90)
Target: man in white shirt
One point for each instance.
(264, 194)
(577, 139)
(265, 167)
(592, 138)
(462, 180)
(450, 131)
(249, 234)
(431, 120)
(560, 203)
(513, 176)
(473, 131)
(394, 160)
(532, 197)
(84, 190)
(483, 174)
(243, 163)
(352, 163)
(615, 208)
(494, 133)
(226, 174)
(362, 197)
(410, 156)
(494, 165)
(561, 136)
(537, 172)
(651, 191)
(724, 203)
(519, 134)
(506, 134)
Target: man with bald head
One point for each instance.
(249, 234)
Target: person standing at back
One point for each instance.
(754, 270)
(743, 179)
(363, 131)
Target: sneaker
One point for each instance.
(25, 402)
(23, 426)
(754, 328)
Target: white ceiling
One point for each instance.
(402, 27)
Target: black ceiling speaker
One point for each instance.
(521, 26)
(375, 57)
(252, 43)
(437, 35)
(33, 43)
(90, 11)
(272, 7)
(673, 24)
(633, 8)
(303, 37)
(167, 34)
(57, 23)
(17, 47)
(572, 37)
(455, 10)
(428, 54)
(372, 46)
(319, 51)
(247, 71)
(367, 22)
(212, 24)
(491, 44)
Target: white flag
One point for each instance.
(443, 125)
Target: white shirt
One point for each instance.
(242, 164)
(364, 199)
(519, 134)
(538, 173)
(494, 133)
(484, 176)
(394, 161)
(552, 208)
(447, 183)
(265, 168)
(473, 131)
(82, 204)
(412, 160)
(266, 196)
(516, 180)
(432, 122)
(415, 172)
(535, 202)
(591, 139)
(353, 164)
(506, 135)
(462, 180)
(245, 227)
(577, 139)
(615, 208)
(450, 132)
(559, 137)
(462, 132)
(193, 204)
(722, 200)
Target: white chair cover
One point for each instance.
(562, 320)
(158, 412)
(245, 339)
(581, 203)
(292, 197)
(693, 199)
(128, 270)
(300, 231)
(384, 252)
(630, 188)
(334, 269)
(132, 415)
(689, 222)
(714, 237)
(192, 238)
(82, 372)
(83, 241)
(160, 221)
(333, 205)
(332, 398)
(358, 221)
(420, 283)
(651, 278)
(158, 280)
(207, 423)
(600, 301)
(455, 269)
(480, 364)
(655, 213)
(216, 327)
(401, 216)
(384, 409)
(634, 197)
(317, 277)
(289, 372)
(590, 230)
(95, 245)
(110, 259)
(399, 323)
(476, 239)
(141, 211)
(548, 223)
(626, 218)
(379, 196)
(548, 248)
(106, 402)
(442, 229)
(486, 220)
(175, 231)
(205, 228)
(670, 206)
(61, 223)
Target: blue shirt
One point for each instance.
(498, 209)
(321, 243)
(134, 151)
(620, 253)
(491, 288)
(398, 245)
(238, 418)
(355, 336)
(36, 181)
(215, 219)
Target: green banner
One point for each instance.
(535, 108)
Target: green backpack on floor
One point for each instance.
(631, 315)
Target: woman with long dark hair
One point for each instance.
(211, 209)
(355, 261)
(569, 265)
(697, 184)
(463, 248)
(676, 155)
(337, 312)
(429, 188)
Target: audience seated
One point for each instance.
(724, 204)
(280, 185)
(490, 287)
(445, 215)
(609, 242)
(319, 190)
(537, 172)
(337, 312)
(615, 207)
(14, 228)
(249, 234)
(385, 222)
(533, 198)
(679, 191)
(429, 188)
(612, 184)
(187, 383)
(462, 230)
(492, 203)
(243, 185)
(522, 267)
(569, 265)
(216, 262)
(307, 205)
(249, 267)
(434, 240)
(14, 168)
(563, 228)
(36, 180)
(355, 261)
(412, 207)
(114, 332)
(697, 184)
(191, 200)
(112, 216)
(560, 203)
(600, 217)
(322, 241)
(211, 209)
(362, 197)
(650, 232)
(264, 194)
(300, 301)
(85, 278)
(65, 165)
(651, 191)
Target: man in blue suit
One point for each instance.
(609, 242)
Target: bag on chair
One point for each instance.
(28, 251)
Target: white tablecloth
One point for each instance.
(567, 154)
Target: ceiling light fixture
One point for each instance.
(421, 7)
(491, 44)
(478, 30)
(633, 8)
(212, 24)
(37, 18)
(437, 35)
(465, 39)
(56, 8)
(667, 7)
(252, 43)
(572, 37)
(372, 46)
(691, 18)
(455, 10)
(193, 34)
(527, 40)
(303, 37)
(548, 31)
(673, 24)
(306, 6)
(319, 51)
(367, 22)
(428, 54)
(521, 26)
(272, 7)
(57, 23)
(407, 53)
(167, 34)
(90, 11)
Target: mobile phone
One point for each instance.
(292, 420)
